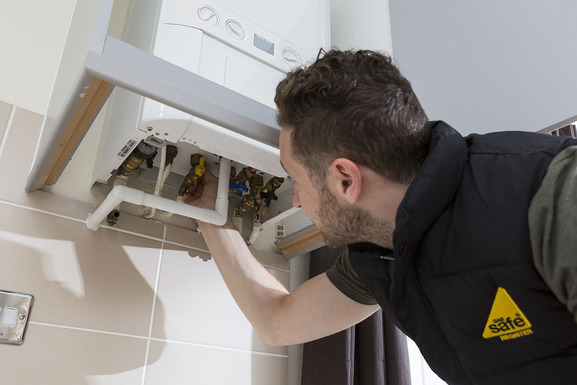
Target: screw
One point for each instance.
(22, 318)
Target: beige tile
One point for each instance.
(195, 240)
(179, 364)
(138, 225)
(282, 276)
(185, 237)
(99, 280)
(15, 162)
(267, 258)
(198, 307)
(5, 109)
(19, 148)
(53, 355)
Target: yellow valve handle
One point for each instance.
(199, 170)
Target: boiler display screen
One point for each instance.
(263, 44)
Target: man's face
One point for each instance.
(305, 193)
(340, 223)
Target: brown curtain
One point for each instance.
(373, 352)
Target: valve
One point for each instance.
(141, 153)
(196, 172)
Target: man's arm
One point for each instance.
(316, 309)
(552, 222)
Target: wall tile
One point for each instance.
(104, 281)
(275, 260)
(282, 276)
(138, 225)
(99, 280)
(185, 237)
(52, 355)
(195, 240)
(15, 163)
(198, 307)
(180, 364)
(16, 159)
(5, 109)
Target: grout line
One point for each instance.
(87, 330)
(208, 252)
(186, 246)
(144, 368)
(96, 331)
(7, 130)
(276, 268)
(29, 208)
(129, 232)
(220, 348)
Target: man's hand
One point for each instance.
(203, 195)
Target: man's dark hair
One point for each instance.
(356, 105)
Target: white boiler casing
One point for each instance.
(246, 46)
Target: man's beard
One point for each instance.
(342, 226)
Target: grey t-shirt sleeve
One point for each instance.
(553, 226)
(347, 281)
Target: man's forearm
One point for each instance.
(255, 290)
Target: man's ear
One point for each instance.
(345, 179)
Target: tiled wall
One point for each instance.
(135, 304)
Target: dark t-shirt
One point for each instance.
(552, 222)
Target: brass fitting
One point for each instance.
(247, 173)
(195, 174)
(141, 153)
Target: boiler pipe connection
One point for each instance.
(120, 194)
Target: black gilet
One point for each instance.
(460, 280)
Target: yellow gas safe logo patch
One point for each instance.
(506, 320)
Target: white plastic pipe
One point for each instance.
(120, 194)
(159, 178)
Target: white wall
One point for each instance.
(489, 65)
(361, 24)
(33, 34)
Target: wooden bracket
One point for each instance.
(301, 242)
(84, 115)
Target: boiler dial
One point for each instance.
(208, 14)
(235, 29)
(291, 56)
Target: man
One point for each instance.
(465, 243)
